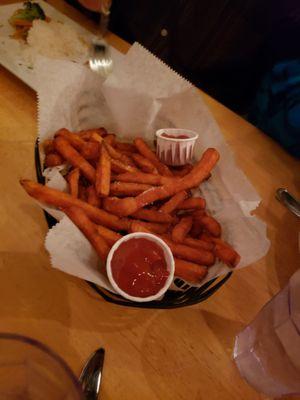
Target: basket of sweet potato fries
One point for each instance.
(116, 188)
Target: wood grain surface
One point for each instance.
(150, 354)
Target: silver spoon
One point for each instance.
(91, 375)
(100, 60)
(288, 200)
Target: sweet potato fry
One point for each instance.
(92, 197)
(138, 226)
(63, 147)
(103, 171)
(152, 227)
(73, 180)
(127, 147)
(180, 172)
(223, 250)
(127, 189)
(141, 177)
(129, 205)
(153, 216)
(196, 230)
(174, 201)
(53, 160)
(90, 150)
(210, 224)
(119, 167)
(145, 151)
(48, 146)
(76, 141)
(93, 134)
(117, 155)
(189, 271)
(144, 164)
(199, 256)
(227, 254)
(96, 137)
(108, 235)
(181, 229)
(198, 243)
(88, 228)
(82, 194)
(192, 203)
(110, 139)
(59, 199)
(198, 214)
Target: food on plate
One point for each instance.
(109, 198)
(139, 267)
(55, 39)
(23, 18)
(50, 38)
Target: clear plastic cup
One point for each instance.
(31, 371)
(267, 351)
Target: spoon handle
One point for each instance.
(288, 200)
(91, 375)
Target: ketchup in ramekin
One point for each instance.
(166, 135)
(175, 146)
(141, 267)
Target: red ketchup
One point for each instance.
(139, 267)
(166, 135)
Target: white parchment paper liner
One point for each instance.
(139, 97)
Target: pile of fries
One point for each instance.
(117, 188)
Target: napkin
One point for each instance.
(142, 95)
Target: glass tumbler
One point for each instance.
(267, 351)
(31, 371)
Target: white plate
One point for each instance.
(11, 51)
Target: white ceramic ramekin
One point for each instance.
(173, 151)
(168, 256)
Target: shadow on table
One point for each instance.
(283, 246)
(184, 362)
(34, 302)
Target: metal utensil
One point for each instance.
(288, 200)
(100, 60)
(91, 375)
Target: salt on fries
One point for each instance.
(117, 188)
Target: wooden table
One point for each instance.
(151, 354)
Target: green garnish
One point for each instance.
(30, 12)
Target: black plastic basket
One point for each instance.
(185, 296)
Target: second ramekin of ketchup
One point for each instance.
(175, 147)
(140, 267)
